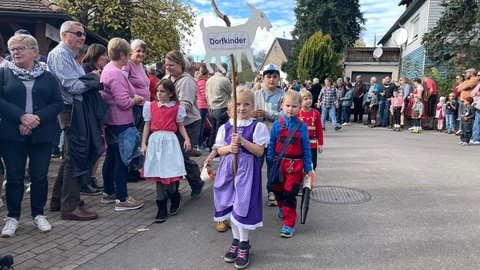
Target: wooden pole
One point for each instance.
(234, 83)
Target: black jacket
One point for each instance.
(47, 104)
(88, 117)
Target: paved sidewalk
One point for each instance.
(71, 243)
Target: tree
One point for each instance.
(317, 58)
(162, 24)
(455, 40)
(341, 19)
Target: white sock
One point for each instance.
(235, 231)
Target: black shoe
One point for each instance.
(197, 191)
(337, 128)
(89, 190)
(94, 183)
(56, 153)
(174, 203)
(231, 255)
(162, 211)
(195, 153)
(243, 255)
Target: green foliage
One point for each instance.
(341, 19)
(455, 40)
(162, 24)
(317, 58)
(411, 68)
(444, 80)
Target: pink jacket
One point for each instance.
(202, 95)
(118, 93)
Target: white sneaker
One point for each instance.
(271, 199)
(411, 128)
(42, 224)
(475, 142)
(11, 225)
(345, 124)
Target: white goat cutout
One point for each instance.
(222, 41)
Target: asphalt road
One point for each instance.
(422, 213)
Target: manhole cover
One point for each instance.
(339, 195)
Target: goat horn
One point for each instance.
(220, 14)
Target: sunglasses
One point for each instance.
(77, 33)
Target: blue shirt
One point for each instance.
(62, 63)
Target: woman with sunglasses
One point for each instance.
(30, 101)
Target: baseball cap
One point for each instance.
(271, 68)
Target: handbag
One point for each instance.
(205, 175)
(274, 172)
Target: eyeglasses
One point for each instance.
(19, 49)
(77, 33)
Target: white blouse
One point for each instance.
(261, 135)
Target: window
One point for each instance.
(414, 32)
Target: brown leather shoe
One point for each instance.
(79, 214)
(55, 205)
(222, 226)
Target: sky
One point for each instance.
(380, 16)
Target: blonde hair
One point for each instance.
(293, 95)
(243, 90)
(28, 40)
(117, 46)
(305, 93)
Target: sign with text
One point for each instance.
(223, 41)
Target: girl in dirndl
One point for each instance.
(238, 197)
(163, 154)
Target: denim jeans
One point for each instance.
(329, 111)
(114, 171)
(476, 127)
(203, 114)
(450, 119)
(138, 117)
(15, 156)
(381, 113)
(346, 114)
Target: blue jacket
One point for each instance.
(290, 123)
(129, 147)
(47, 104)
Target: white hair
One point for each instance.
(67, 26)
(138, 43)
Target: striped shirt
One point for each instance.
(61, 62)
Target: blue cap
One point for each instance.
(271, 68)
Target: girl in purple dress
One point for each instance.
(239, 197)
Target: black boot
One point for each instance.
(243, 255)
(94, 183)
(162, 211)
(174, 203)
